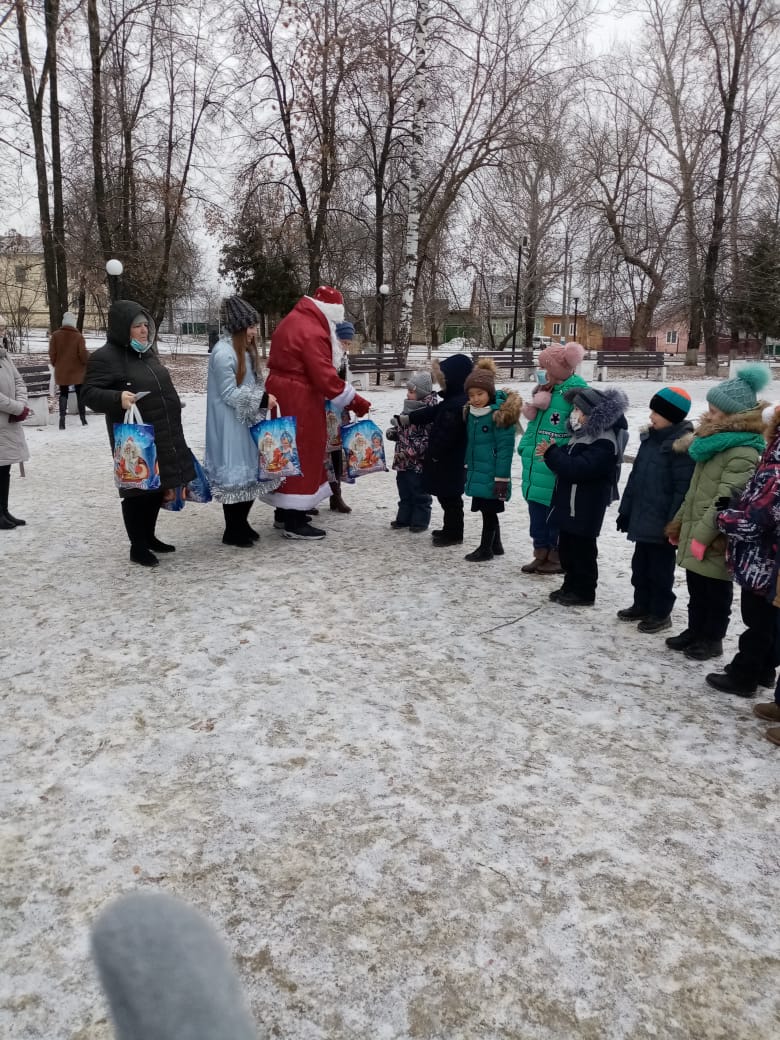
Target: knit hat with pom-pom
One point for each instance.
(559, 362)
(482, 377)
(739, 394)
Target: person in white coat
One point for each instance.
(13, 445)
(235, 400)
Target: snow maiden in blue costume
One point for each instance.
(235, 400)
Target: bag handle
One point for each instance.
(132, 415)
(270, 411)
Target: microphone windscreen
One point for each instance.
(166, 973)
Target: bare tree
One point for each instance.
(733, 30)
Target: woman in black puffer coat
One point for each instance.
(126, 366)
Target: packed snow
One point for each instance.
(418, 799)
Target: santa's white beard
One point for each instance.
(333, 311)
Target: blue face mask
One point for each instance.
(140, 348)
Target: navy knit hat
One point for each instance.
(672, 403)
(237, 314)
(345, 330)
(739, 395)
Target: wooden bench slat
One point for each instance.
(36, 376)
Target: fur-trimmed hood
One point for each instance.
(506, 409)
(606, 412)
(451, 374)
(739, 422)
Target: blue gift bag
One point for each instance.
(198, 489)
(277, 450)
(135, 454)
(364, 448)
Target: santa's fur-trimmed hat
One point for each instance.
(330, 302)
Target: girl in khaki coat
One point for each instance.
(726, 448)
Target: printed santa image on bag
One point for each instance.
(135, 454)
(364, 448)
(277, 454)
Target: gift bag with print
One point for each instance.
(334, 419)
(198, 489)
(364, 448)
(135, 454)
(277, 451)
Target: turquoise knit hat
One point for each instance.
(739, 394)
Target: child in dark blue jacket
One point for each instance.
(655, 491)
(444, 473)
(587, 471)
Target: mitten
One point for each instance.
(22, 416)
(719, 544)
(391, 434)
(501, 489)
(400, 420)
(359, 405)
(698, 549)
(672, 531)
(621, 522)
(722, 503)
(541, 399)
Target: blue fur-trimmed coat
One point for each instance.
(588, 467)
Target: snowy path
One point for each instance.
(407, 820)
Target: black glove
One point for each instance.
(391, 434)
(621, 522)
(400, 420)
(501, 490)
(724, 502)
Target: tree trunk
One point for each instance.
(52, 8)
(98, 177)
(35, 112)
(415, 181)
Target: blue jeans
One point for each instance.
(414, 504)
(543, 534)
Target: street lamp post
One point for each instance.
(114, 271)
(523, 242)
(576, 303)
(384, 292)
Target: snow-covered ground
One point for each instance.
(417, 798)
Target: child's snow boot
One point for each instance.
(540, 556)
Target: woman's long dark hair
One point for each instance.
(242, 347)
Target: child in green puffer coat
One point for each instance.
(726, 447)
(547, 413)
(491, 420)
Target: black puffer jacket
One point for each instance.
(116, 367)
(444, 471)
(657, 484)
(588, 467)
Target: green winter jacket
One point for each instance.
(490, 445)
(726, 453)
(548, 424)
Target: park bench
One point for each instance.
(37, 378)
(524, 366)
(363, 365)
(647, 360)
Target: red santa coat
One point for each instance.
(302, 376)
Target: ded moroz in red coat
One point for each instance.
(302, 376)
